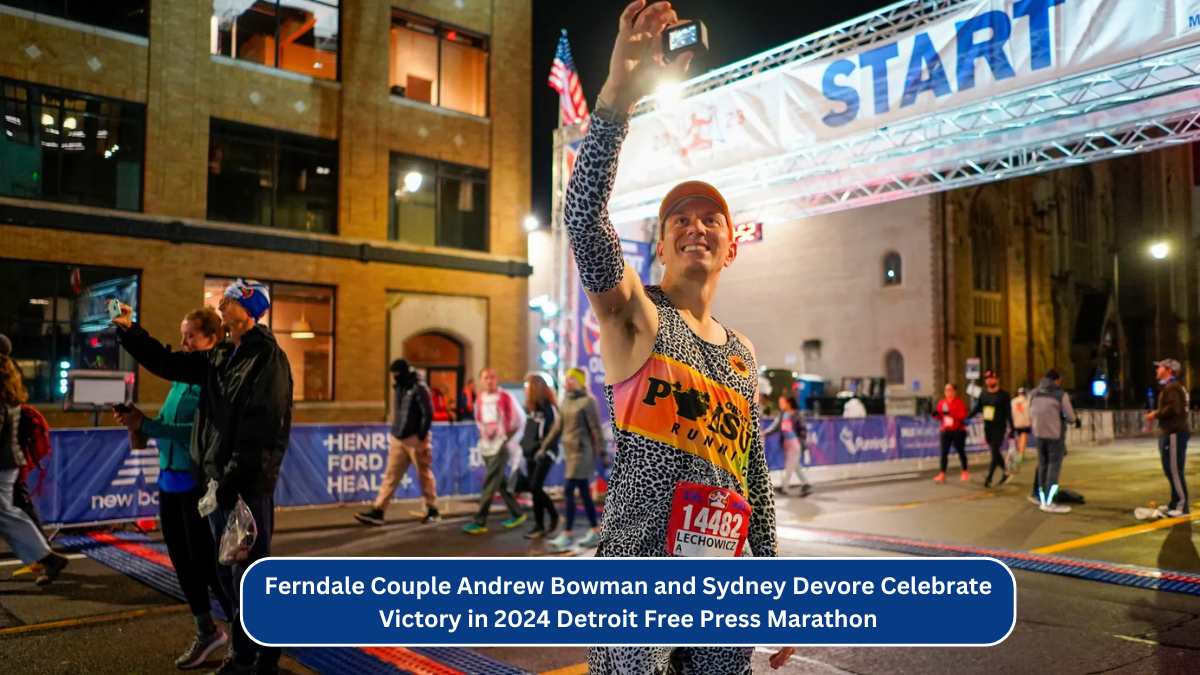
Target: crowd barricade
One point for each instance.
(93, 476)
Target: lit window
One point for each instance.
(55, 316)
(439, 65)
(296, 35)
(68, 147)
(302, 320)
(892, 270)
(438, 204)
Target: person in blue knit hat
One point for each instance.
(243, 423)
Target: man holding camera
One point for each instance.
(684, 400)
(243, 423)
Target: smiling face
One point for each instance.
(696, 239)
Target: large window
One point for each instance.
(438, 64)
(296, 35)
(271, 178)
(438, 204)
(126, 16)
(301, 317)
(55, 316)
(68, 147)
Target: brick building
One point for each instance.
(367, 158)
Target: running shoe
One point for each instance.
(52, 565)
(515, 522)
(474, 528)
(231, 667)
(589, 540)
(1034, 500)
(805, 490)
(431, 516)
(199, 650)
(1055, 508)
(987, 483)
(966, 476)
(536, 533)
(373, 517)
(940, 478)
(563, 540)
(35, 568)
(1005, 479)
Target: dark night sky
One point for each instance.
(736, 29)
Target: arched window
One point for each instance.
(895, 367)
(893, 271)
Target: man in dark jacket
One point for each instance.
(1174, 430)
(412, 415)
(243, 423)
(996, 407)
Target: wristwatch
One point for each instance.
(612, 115)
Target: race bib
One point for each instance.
(707, 522)
(989, 413)
(947, 422)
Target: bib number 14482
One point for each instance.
(707, 522)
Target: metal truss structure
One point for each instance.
(878, 26)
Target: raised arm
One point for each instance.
(154, 356)
(627, 317)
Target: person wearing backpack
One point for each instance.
(187, 534)
(16, 527)
(35, 439)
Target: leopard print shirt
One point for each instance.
(689, 414)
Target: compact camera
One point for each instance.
(685, 36)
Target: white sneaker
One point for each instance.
(1176, 513)
(1055, 508)
(589, 540)
(563, 540)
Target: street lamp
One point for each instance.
(1159, 250)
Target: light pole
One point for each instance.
(1159, 250)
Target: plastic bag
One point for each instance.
(240, 533)
(208, 503)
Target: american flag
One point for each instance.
(565, 81)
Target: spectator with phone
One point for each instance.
(187, 534)
(243, 422)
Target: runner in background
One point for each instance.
(498, 419)
(953, 413)
(1021, 424)
(790, 424)
(539, 445)
(579, 425)
(1048, 407)
(995, 406)
(669, 364)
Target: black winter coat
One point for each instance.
(244, 418)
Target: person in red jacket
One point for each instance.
(953, 414)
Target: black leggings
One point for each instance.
(585, 496)
(542, 504)
(190, 545)
(959, 440)
(994, 444)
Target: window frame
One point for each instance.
(887, 367)
(42, 9)
(137, 271)
(337, 76)
(331, 334)
(898, 280)
(132, 112)
(277, 141)
(442, 169)
(439, 30)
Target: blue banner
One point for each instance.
(628, 602)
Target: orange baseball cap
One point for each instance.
(691, 189)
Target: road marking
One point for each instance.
(103, 618)
(910, 505)
(1119, 533)
(577, 669)
(1144, 641)
(13, 563)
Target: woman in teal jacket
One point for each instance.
(187, 534)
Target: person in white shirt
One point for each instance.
(1021, 426)
(854, 409)
(498, 419)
